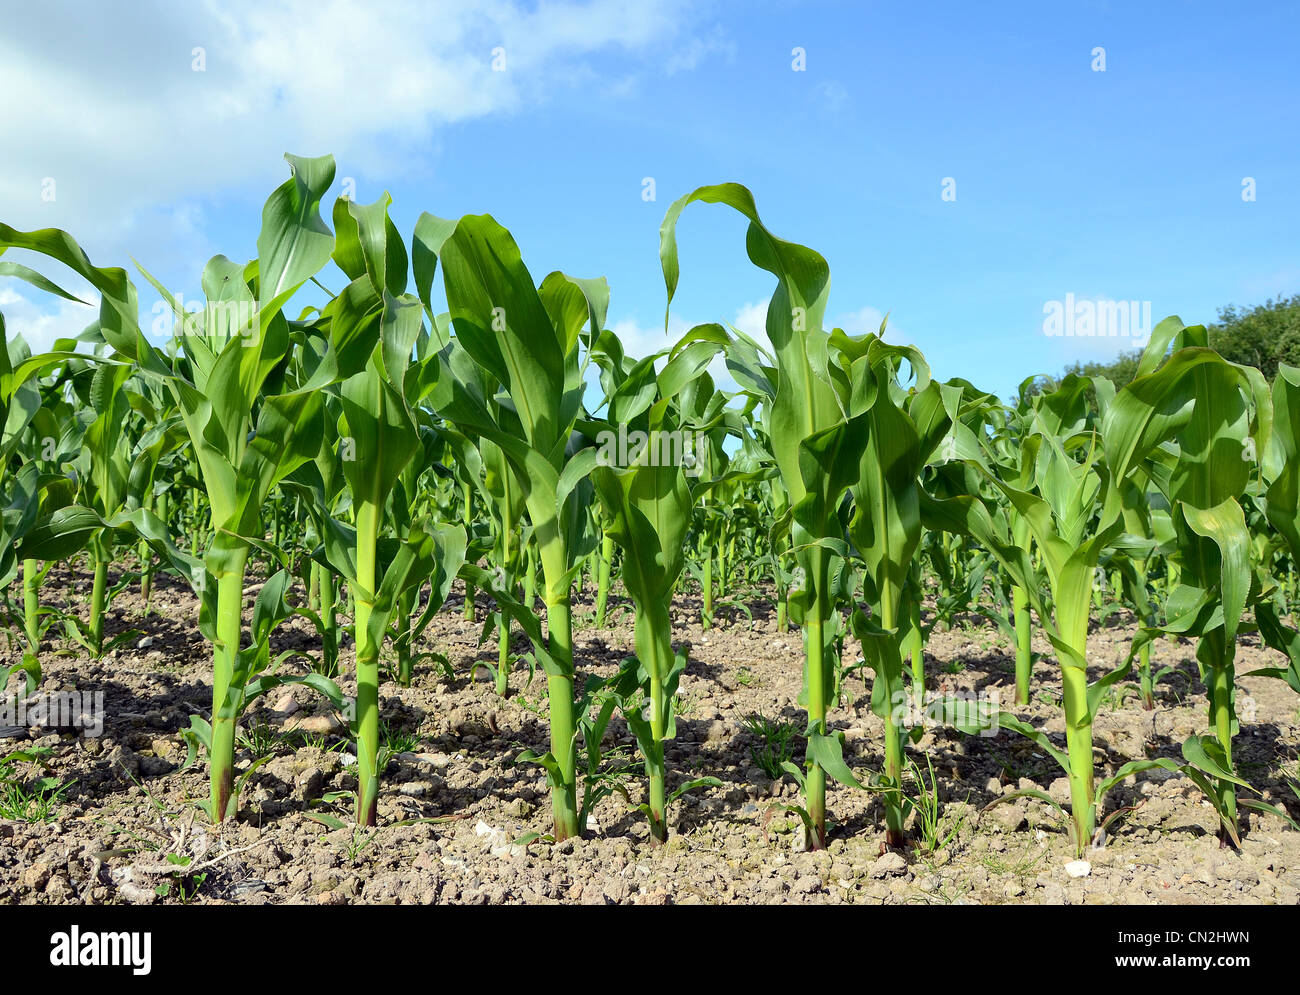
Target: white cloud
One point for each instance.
(39, 326)
(752, 320)
(112, 111)
(868, 319)
(639, 342)
(690, 55)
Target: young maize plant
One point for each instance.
(103, 469)
(647, 506)
(723, 512)
(510, 539)
(752, 368)
(526, 339)
(885, 529)
(248, 423)
(31, 446)
(102, 452)
(160, 433)
(408, 509)
(1059, 500)
(20, 494)
(1203, 478)
(1281, 501)
(46, 444)
(1134, 559)
(814, 411)
(1017, 471)
(1075, 512)
(382, 437)
(321, 489)
(485, 468)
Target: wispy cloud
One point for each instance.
(41, 324)
(691, 54)
(115, 114)
(869, 319)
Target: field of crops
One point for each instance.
(388, 575)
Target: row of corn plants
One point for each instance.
(358, 421)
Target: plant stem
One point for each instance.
(146, 574)
(893, 798)
(1144, 677)
(32, 606)
(653, 630)
(503, 655)
(1024, 654)
(722, 569)
(226, 699)
(406, 605)
(97, 594)
(706, 616)
(559, 689)
(1221, 680)
(367, 655)
(329, 616)
(1078, 740)
(467, 494)
(918, 653)
(602, 591)
(815, 671)
(893, 770)
(658, 782)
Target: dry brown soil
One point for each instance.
(454, 803)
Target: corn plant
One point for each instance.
(382, 438)
(42, 520)
(886, 531)
(814, 419)
(1014, 468)
(1074, 507)
(103, 468)
(1281, 472)
(160, 434)
(19, 495)
(526, 338)
(247, 424)
(321, 488)
(1142, 526)
(1204, 476)
(485, 468)
(648, 507)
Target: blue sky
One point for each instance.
(1123, 184)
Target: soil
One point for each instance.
(459, 816)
